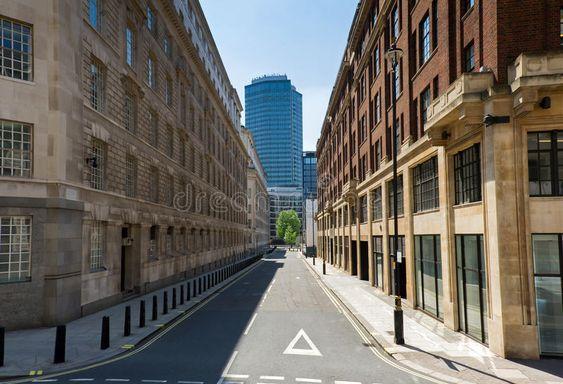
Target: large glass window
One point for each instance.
(399, 197)
(95, 14)
(16, 45)
(97, 245)
(467, 174)
(130, 112)
(363, 209)
(472, 286)
(376, 204)
(428, 274)
(15, 149)
(545, 163)
(129, 46)
(425, 185)
(378, 260)
(395, 22)
(548, 277)
(15, 248)
(469, 58)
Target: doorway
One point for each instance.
(331, 251)
(126, 242)
(401, 267)
(364, 261)
(354, 260)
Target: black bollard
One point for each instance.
(181, 295)
(154, 308)
(314, 260)
(127, 321)
(2, 338)
(60, 345)
(104, 342)
(165, 302)
(199, 284)
(194, 285)
(324, 267)
(142, 314)
(188, 291)
(174, 298)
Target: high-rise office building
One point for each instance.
(309, 175)
(274, 116)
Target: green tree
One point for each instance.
(290, 237)
(288, 221)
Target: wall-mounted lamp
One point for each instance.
(545, 102)
(92, 161)
(491, 120)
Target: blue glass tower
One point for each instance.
(274, 116)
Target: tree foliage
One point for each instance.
(288, 226)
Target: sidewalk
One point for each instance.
(430, 347)
(30, 352)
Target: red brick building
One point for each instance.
(472, 191)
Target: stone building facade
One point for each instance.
(479, 101)
(121, 156)
(257, 194)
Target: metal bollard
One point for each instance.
(174, 298)
(314, 260)
(154, 308)
(2, 338)
(127, 321)
(104, 342)
(181, 295)
(142, 314)
(165, 302)
(199, 284)
(188, 291)
(194, 292)
(60, 345)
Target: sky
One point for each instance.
(304, 39)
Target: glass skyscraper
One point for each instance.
(309, 175)
(274, 116)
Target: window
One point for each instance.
(428, 274)
(425, 185)
(377, 154)
(376, 204)
(169, 241)
(434, 24)
(130, 176)
(97, 245)
(153, 243)
(471, 286)
(547, 250)
(362, 92)
(363, 209)
(166, 45)
(424, 43)
(396, 81)
(15, 149)
(151, 20)
(168, 87)
(545, 163)
(96, 164)
(399, 196)
(363, 129)
(154, 185)
(345, 215)
(378, 260)
(15, 248)
(377, 108)
(467, 174)
(376, 61)
(129, 47)
(151, 72)
(95, 14)
(15, 50)
(153, 128)
(129, 112)
(395, 23)
(469, 58)
(424, 105)
(97, 85)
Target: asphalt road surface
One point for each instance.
(276, 324)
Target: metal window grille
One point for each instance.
(129, 112)
(467, 174)
(425, 185)
(97, 245)
(16, 50)
(15, 248)
(399, 196)
(15, 149)
(130, 176)
(96, 164)
(96, 85)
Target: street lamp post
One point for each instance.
(393, 56)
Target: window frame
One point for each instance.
(16, 155)
(426, 193)
(97, 246)
(400, 197)
(97, 85)
(377, 204)
(554, 164)
(469, 57)
(24, 30)
(467, 175)
(23, 250)
(424, 47)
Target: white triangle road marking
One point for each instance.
(312, 351)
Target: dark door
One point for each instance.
(354, 259)
(364, 261)
(124, 235)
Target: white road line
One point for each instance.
(346, 382)
(272, 377)
(250, 324)
(153, 381)
(190, 382)
(227, 367)
(82, 379)
(305, 380)
(44, 380)
(269, 288)
(235, 376)
(117, 379)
